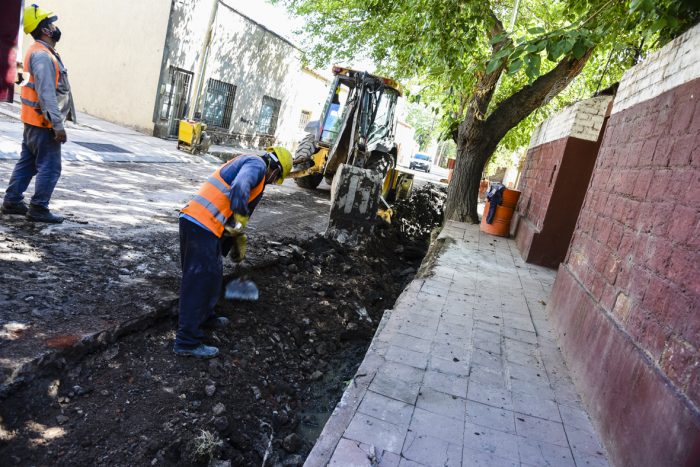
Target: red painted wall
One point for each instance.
(626, 301)
(553, 186)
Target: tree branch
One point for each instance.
(513, 110)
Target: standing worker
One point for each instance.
(46, 104)
(221, 207)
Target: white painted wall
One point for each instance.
(676, 63)
(257, 61)
(113, 51)
(583, 120)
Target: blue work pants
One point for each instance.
(202, 277)
(41, 156)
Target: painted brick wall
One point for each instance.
(582, 120)
(555, 176)
(627, 299)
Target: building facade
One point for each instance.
(148, 64)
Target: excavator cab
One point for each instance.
(356, 130)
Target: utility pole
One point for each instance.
(202, 62)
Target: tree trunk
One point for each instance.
(478, 137)
(474, 149)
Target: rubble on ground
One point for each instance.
(419, 215)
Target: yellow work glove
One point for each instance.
(238, 249)
(234, 229)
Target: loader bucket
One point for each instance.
(355, 199)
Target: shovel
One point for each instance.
(240, 289)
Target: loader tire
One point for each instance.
(310, 182)
(306, 149)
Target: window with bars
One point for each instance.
(304, 119)
(269, 112)
(218, 104)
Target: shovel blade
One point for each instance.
(239, 289)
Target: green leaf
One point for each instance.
(535, 30)
(493, 65)
(515, 66)
(498, 38)
(580, 49)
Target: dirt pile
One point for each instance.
(417, 216)
(284, 364)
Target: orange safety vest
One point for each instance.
(211, 206)
(31, 110)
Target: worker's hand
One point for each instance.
(239, 247)
(60, 136)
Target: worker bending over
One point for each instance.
(211, 224)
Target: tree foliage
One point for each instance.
(465, 61)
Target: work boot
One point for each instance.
(201, 351)
(41, 214)
(14, 208)
(217, 322)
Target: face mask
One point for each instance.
(56, 35)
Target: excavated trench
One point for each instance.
(284, 364)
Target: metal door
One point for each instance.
(176, 98)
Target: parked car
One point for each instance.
(420, 162)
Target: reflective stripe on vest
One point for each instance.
(211, 206)
(30, 111)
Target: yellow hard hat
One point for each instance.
(33, 15)
(285, 159)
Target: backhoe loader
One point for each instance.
(352, 146)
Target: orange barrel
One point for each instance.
(501, 220)
(510, 198)
(450, 169)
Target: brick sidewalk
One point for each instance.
(464, 371)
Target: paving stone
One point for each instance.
(386, 409)
(446, 382)
(587, 460)
(525, 359)
(540, 390)
(441, 403)
(487, 359)
(462, 329)
(486, 440)
(409, 463)
(487, 376)
(395, 388)
(449, 351)
(490, 417)
(407, 357)
(584, 441)
(443, 365)
(438, 426)
(487, 345)
(572, 416)
(535, 405)
(520, 335)
(490, 395)
(527, 373)
(381, 434)
(411, 342)
(401, 372)
(478, 458)
(416, 330)
(429, 450)
(540, 429)
(348, 452)
(537, 453)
